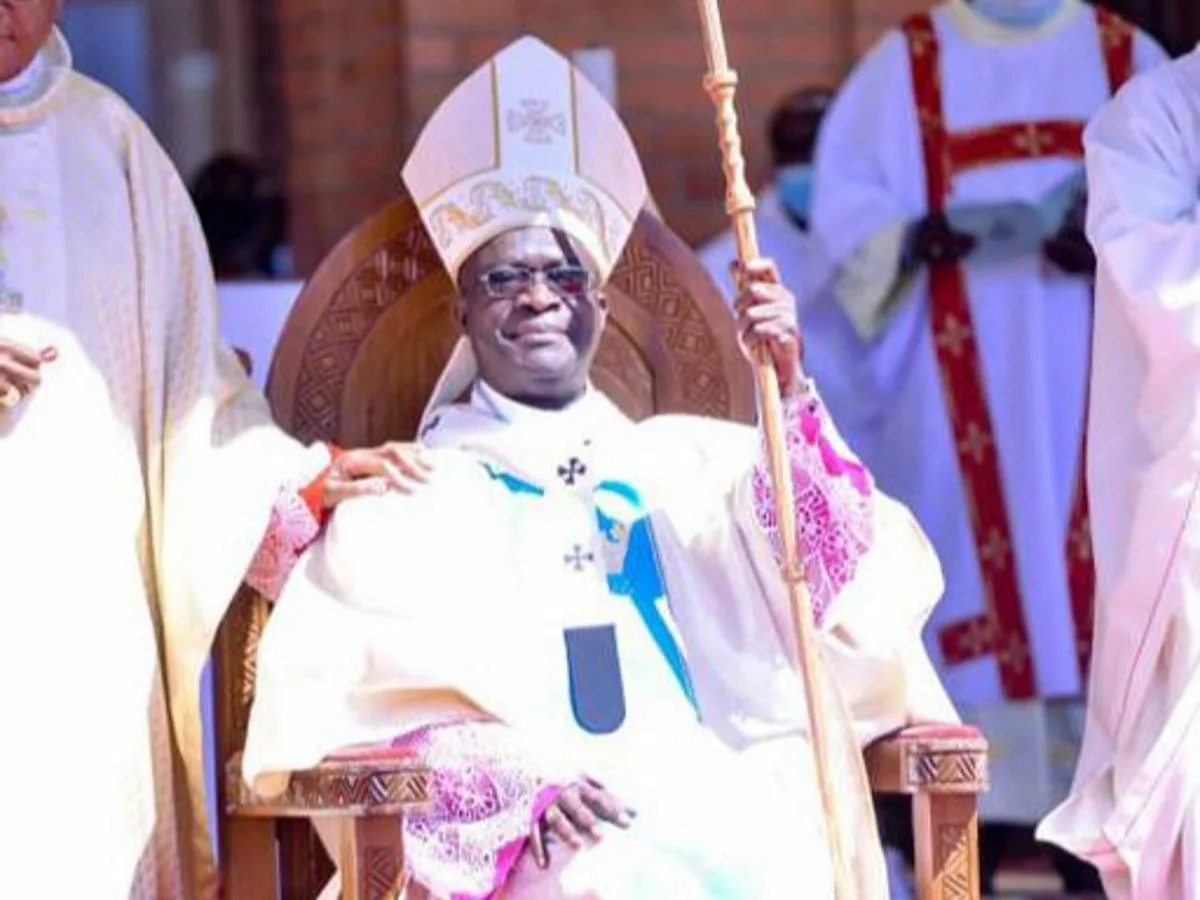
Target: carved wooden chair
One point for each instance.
(358, 357)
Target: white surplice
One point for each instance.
(135, 485)
(831, 347)
(416, 610)
(1032, 324)
(1134, 809)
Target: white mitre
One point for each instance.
(526, 140)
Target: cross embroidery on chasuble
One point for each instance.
(630, 559)
(1001, 630)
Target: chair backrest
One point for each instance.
(370, 333)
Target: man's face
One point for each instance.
(24, 27)
(531, 309)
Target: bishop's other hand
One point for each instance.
(766, 320)
(375, 470)
(574, 819)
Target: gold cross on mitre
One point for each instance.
(526, 140)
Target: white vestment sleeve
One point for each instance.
(871, 633)
(1142, 159)
(869, 179)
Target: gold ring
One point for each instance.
(10, 397)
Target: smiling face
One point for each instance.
(25, 25)
(530, 305)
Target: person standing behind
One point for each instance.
(1134, 810)
(141, 481)
(949, 195)
(243, 217)
(784, 206)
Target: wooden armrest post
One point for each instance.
(944, 770)
(249, 866)
(946, 828)
(372, 858)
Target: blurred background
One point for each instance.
(326, 96)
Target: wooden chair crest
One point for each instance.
(359, 354)
(370, 333)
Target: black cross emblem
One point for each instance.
(577, 558)
(572, 470)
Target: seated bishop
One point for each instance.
(579, 621)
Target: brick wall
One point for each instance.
(346, 113)
(360, 77)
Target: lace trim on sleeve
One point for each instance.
(290, 531)
(486, 797)
(833, 502)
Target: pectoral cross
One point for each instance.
(572, 470)
(577, 558)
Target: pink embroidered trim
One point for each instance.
(290, 531)
(833, 503)
(486, 797)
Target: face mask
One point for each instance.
(281, 262)
(1017, 13)
(794, 186)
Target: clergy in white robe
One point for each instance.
(576, 599)
(1134, 809)
(782, 221)
(137, 481)
(948, 195)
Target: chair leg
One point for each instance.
(372, 859)
(304, 865)
(249, 867)
(946, 833)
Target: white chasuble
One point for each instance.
(973, 387)
(136, 483)
(604, 589)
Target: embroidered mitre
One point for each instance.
(526, 140)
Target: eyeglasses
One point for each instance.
(509, 281)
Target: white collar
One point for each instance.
(982, 29)
(23, 98)
(487, 399)
(24, 80)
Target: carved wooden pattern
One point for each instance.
(954, 768)
(383, 866)
(375, 788)
(369, 335)
(692, 340)
(383, 279)
(953, 852)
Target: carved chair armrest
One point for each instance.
(933, 759)
(368, 783)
